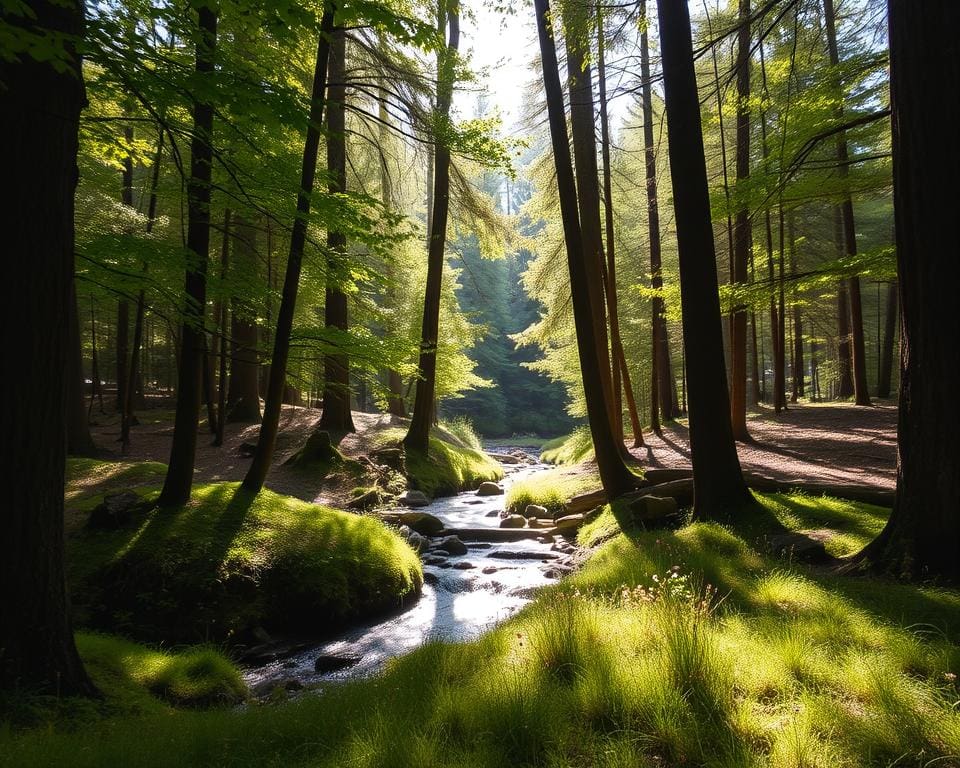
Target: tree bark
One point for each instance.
(798, 366)
(38, 142)
(889, 340)
(79, 440)
(243, 396)
(922, 536)
(257, 473)
(179, 479)
(742, 234)
(418, 436)
(614, 475)
(336, 415)
(221, 311)
(718, 481)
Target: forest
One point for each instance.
(487, 383)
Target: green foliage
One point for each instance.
(552, 489)
(574, 448)
(229, 561)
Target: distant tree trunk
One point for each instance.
(798, 366)
(889, 340)
(97, 390)
(718, 481)
(257, 473)
(79, 440)
(621, 374)
(662, 389)
(756, 396)
(614, 475)
(780, 348)
(814, 374)
(243, 396)
(336, 367)
(123, 305)
(179, 479)
(38, 142)
(844, 356)
(221, 346)
(922, 536)
(742, 234)
(424, 405)
(582, 134)
(858, 358)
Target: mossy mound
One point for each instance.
(231, 561)
(553, 488)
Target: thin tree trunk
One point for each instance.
(336, 415)
(39, 141)
(718, 481)
(798, 366)
(844, 355)
(243, 394)
(97, 390)
(179, 479)
(889, 340)
(257, 473)
(424, 406)
(780, 359)
(221, 312)
(79, 440)
(614, 475)
(922, 536)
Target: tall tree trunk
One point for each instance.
(336, 367)
(179, 479)
(221, 313)
(123, 305)
(79, 440)
(922, 536)
(889, 340)
(94, 362)
(582, 128)
(662, 387)
(742, 234)
(424, 405)
(780, 356)
(243, 395)
(844, 355)
(257, 473)
(614, 475)
(858, 348)
(798, 366)
(718, 481)
(38, 142)
(621, 374)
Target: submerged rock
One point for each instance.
(451, 544)
(331, 663)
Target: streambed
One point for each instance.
(463, 596)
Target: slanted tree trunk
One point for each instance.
(621, 374)
(243, 395)
(424, 405)
(889, 340)
(742, 234)
(179, 479)
(719, 487)
(922, 536)
(662, 387)
(257, 473)
(38, 142)
(614, 475)
(857, 346)
(336, 415)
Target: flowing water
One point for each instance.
(463, 595)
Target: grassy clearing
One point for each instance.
(454, 464)
(553, 488)
(682, 648)
(569, 449)
(90, 477)
(230, 561)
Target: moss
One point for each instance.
(553, 488)
(92, 477)
(229, 561)
(451, 466)
(574, 448)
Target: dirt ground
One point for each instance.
(830, 443)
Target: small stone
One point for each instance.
(490, 569)
(535, 510)
(463, 565)
(414, 499)
(489, 489)
(451, 544)
(514, 521)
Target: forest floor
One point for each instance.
(829, 443)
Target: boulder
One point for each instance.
(652, 511)
(451, 545)
(332, 663)
(319, 449)
(514, 521)
(114, 510)
(414, 499)
(568, 525)
(463, 565)
(366, 500)
(489, 489)
(535, 510)
(422, 522)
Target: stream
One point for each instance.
(463, 595)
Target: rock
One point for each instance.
(493, 513)
(506, 458)
(562, 546)
(509, 554)
(490, 569)
(422, 522)
(292, 685)
(546, 539)
(803, 546)
(535, 510)
(417, 542)
(114, 510)
(463, 565)
(432, 559)
(451, 544)
(533, 522)
(651, 511)
(585, 502)
(414, 499)
(331, 663)
(247, 450)
(489, 489)
(366, 500)
(430, 578)
(514, 521)
(568, 525)
(319, 449)
(390, 457)
(261, 635)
